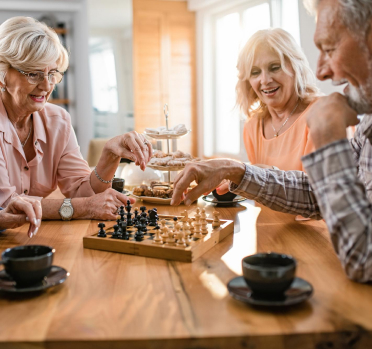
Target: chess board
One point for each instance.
(146, 248)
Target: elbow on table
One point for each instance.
(358, 274)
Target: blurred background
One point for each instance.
(130, 57)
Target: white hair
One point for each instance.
(356, 15)
(284, 45)
(28, 44)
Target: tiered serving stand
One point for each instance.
(167, 137)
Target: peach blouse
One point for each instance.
(58, 161)
(284, 151)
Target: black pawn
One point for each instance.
(143, 224)
(102, 232)
(124, 233)
(143, 208)
(138, 236)
(116, 234)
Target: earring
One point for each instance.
(3, 89)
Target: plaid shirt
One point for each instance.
(337, 187)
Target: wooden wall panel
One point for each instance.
(164, 66)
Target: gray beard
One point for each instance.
(360, 99)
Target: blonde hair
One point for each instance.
(282, 43)
(28, 44)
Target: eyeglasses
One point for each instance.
(36, 77)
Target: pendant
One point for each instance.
(275, 135)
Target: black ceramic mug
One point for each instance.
(269, 274)
(118, 184)
(28, 264)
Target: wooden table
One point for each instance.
(121, 301)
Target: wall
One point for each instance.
(75, 14)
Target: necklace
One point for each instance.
(276, 134)
(28, 136)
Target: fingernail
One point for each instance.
(35, 232)
(188, 202)
(38, 222)
(30, 235)
(35, 221)
(27, 219)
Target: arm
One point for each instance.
(288, 192)
(344, 205)
(341, 195)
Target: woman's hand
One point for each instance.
(104, 206)
(20, 210)
(133, 146)
(223, 188)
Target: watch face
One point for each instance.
(66, 211)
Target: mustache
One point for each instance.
(340, 82)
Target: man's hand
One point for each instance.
(328, 119)
(20, 210)
(208, 175)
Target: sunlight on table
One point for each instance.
(245, 241)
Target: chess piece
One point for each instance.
(185, 216)
(197, 234)
(143, 224)
(124, 233)
(186, 231)
(101, 232)
(197, 215)
(171, 241)
(203, 221)
(153, 218)
(138, 236)
(143, 208)
(157, 239)
(129, 206)
(165, 234)
(216, 221)
(180, 236)
(129, 219)
(122, 213)
(116, 234)
(135, 215)
(192, 228)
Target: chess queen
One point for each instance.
(38, 146)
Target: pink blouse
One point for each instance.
(58, 161)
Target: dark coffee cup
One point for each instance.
(269, 274)
(118, 184)
(225, 197)
(28, 264)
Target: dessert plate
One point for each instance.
(165, 135)
(299, 291)
(56, 276)
(153, 199)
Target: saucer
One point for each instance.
(211, 199)
(299, 291)
(56, 276)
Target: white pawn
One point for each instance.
(204, 223)
(216, 221)
(197, 215)
(164, 236)
(187, 232)
(180, 236)
(157, 239)
(171, 241)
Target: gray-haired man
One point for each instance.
(338, 184)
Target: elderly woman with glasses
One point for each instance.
(38, 146)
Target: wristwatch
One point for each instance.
(66, 211)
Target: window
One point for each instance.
(230, 31)
(103, 75)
